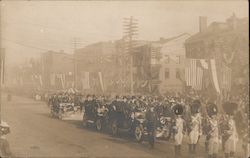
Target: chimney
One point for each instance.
(203, 23)
(161, 39)
(232, 21)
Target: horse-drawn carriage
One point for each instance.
(64, 110)
(165, 128)
(131, 120)
(95, 113)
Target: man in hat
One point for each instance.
(151, 119)
(178, 128)
(4, 145)
(195, 129)
(230, 133)
(212, 131)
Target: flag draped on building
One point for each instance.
(214, 74)
(40, 80)
(53, 79)
(153, 55)
(219, 76)
(85, 80)
(226, 78)
(199, 78)
(194, 74)
(2, 64)
(101, 81)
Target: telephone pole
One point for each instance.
(1, 68)
(1, 84)
(76, 42)
(130, 31)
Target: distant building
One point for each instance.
(173, 63)
(226, 44)
(57, 70)
(160, 65)
(98, 67)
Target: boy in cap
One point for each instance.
(195, 129)
(212, 131)
(4, 145)
(230, 133)
(178, 127)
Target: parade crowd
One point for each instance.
(224, 124)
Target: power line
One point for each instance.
(40, 37)
(62, 29)
(44, 49)
(25, 45)
(30, 46)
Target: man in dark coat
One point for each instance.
(151, 119)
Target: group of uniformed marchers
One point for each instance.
(162, 117)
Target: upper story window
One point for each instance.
(178, 73)
(166, 60)
(178, 59)
(167, 73)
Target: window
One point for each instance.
(166, 59)
(178, 73)
(167, 73)
(178, 59)
(155, 73)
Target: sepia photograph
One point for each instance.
(124, 79)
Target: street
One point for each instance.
(178, 71)
(35, 134)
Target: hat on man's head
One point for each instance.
(212, 109)
(5, 128)
(178, 109)
(229, 107)
(195, 107)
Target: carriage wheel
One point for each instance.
(52, 113)
(98, 124)
(114, 128)
(167, 134)
(139, 133)
(84, 122)
(60, 115)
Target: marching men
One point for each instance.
(230, 133)
(213, 125)
(179, 128)
(195, 129)
(212, 131)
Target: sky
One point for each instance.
(29, 28)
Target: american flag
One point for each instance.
(194, 74)
(2, 64)
(226, 78)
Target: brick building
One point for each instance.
(226, 43)
(57, 70)
(160, 65)
(99, 67)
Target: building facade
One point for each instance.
(173, 63)
(223, 46)
(57, 70)
(160, 65)
(99, 68)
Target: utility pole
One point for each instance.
(130, 31)
(1, 84)
(2, 65)
(76, 43)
